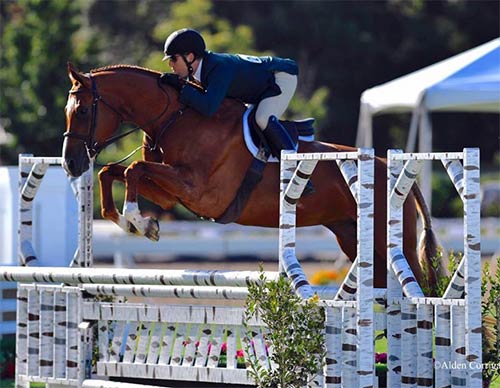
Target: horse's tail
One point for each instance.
(428, 246)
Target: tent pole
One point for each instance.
(412, 134)
(415, 116)
(425, 145)
(364, 137)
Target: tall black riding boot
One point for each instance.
(279, 139)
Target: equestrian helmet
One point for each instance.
(184, 41)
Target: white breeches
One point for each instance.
(276, 105)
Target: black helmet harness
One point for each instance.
(189, 65)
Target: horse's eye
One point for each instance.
(82, 111)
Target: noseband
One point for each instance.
(93, 147)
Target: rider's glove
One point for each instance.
(173, 80)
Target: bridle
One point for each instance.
(94, 148)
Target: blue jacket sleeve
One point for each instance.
(209, 101)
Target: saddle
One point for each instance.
(302, 130)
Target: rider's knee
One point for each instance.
(262, 119)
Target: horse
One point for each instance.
(200, 162)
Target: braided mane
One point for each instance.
(124, 67)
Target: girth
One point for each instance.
(256, 170)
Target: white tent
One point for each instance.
(467, 82)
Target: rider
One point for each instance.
(268, 82)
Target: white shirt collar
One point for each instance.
(197, 74)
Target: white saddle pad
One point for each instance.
(252, 148)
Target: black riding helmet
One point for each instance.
(182, 42)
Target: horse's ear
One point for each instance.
(76, 77)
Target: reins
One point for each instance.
(94, 148)
(171, 122)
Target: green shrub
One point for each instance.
(7, 357)
(490, 287)
(294, 331)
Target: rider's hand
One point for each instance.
(173, 80)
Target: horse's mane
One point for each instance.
(138, 69)
(229, 104)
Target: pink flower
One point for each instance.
(223, 348)
(381, 358)
(240, 354)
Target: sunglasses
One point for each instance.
(175, 57)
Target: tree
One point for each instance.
(38, 38)
(126, 29)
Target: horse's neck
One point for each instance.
(150, 107)
(140, 100)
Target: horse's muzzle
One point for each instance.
(74, 168)
(75, 161)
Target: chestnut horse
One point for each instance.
(201, 161)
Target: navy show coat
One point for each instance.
(248, 78)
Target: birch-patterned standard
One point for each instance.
(349, 325)
(451, 323)
(31, 172)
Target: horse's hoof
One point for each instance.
(132, 229)
(152, 229)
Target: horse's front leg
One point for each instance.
(170, 179)
(146, 188)
(107, 175)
